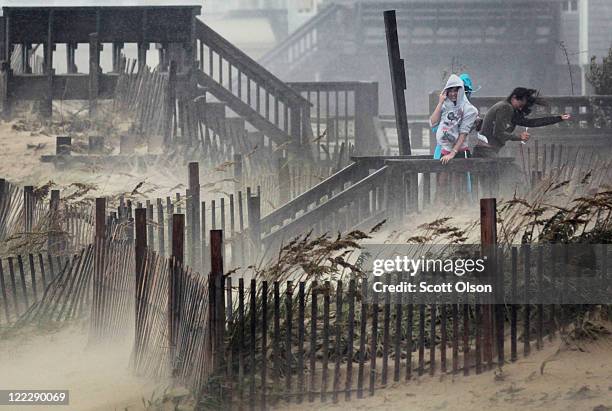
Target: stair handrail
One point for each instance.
(300, 32)
(352, 171)
(246, 64)
(336, 201)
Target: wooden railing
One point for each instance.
(302, 43)
(398, 186)
(593, 113)
(341, 117)
(418, 129)
(249, 89)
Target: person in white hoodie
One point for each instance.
(454, 117)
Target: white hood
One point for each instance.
(455, 118)
(455, 81)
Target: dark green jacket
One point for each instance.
(501, 120)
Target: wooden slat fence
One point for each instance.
(142, 95)
(341, 119)
(559, 162)
(67, 294)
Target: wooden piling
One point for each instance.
(216, 278)
(94, 72)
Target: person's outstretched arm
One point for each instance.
(540, 121)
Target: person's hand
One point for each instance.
(566, 117)
(445, 159)
(442, 97)
(524, 136)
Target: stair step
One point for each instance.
(242, 109)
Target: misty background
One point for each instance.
(545, 44)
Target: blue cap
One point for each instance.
(467, 81)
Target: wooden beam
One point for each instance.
(8, 46)
(47, 103)
(398, 82)
(94, 72)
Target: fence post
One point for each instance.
(100, 235)
(28, 206)
(49, 47)
(54, 245)
(3, 205)
(217, 304)
(6, 75)
(493, 327)
(194, 211)
(174, 293)
(398, 82)
(94, 72)
(140, 249)
(63, 145)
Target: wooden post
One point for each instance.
(54, 246)
(71, 48)
(398, 82)
(140, 247)
(63, 145)
(94, 72)
(99, 242)
(161, 245)
(194, 221)
(116, 57)
(217, 327)
(28, 205)
(100, 216)
(366, 109)
(6, 75)
(25, 58)
(140, 250)
(47, 102)
(142, 55)
(8, 44)
(396, 193)
(178, 237)
(488, 239)
(175, 284)
(150, 232)
(4, 201)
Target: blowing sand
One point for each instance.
(572, 380)
(98, 378)
(20, 164)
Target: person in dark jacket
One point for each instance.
(503, 117)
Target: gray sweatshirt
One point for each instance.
(456, 118)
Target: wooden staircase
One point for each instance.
(244, 98)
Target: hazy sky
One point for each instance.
(50, 3)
